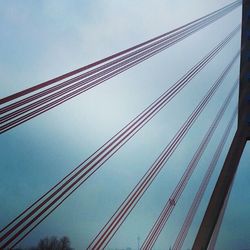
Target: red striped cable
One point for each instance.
(100, 68)
(47, 107)
(195, 204)
(26, 218)
(156, 230)
(69, 74)
(128, 199)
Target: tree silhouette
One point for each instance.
(53, 243)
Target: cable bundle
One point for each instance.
(24, 223)
(111, 227)
(198, 197)
(173, 199)
(38, 99)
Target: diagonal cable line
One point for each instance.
(79, 89)
(156, 230)
(198, 197)
(108, 231)
(18, 112)
(48, 106)
(81, 173)
(176, 194)
(139, 58)
(228, 7)
(170, 35)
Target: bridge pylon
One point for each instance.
(224, 183)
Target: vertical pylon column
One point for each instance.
(242, 134)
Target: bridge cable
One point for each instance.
(204, 183)
(176, 194)
(59, 192)
(229, 7)
(114, 223)
(22, 114)
(18, 112)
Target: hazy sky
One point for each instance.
(43, 39)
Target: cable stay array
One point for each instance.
(29, 103)
(31, 217)
(175, 196)
(202, 188)
(22, 106)
(112, 226)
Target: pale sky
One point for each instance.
(43, 39)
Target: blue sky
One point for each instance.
(41, 40)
